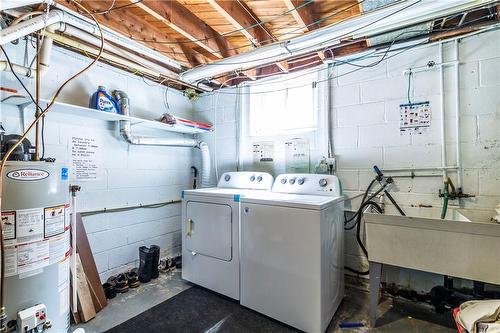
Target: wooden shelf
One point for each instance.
(81, 111)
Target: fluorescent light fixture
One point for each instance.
(397, 16)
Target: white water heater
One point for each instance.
(36, 220)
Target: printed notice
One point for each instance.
(10, 260)
(54, 220)
(9, 225)
(32, 256)
(297, 156)
(29, 224)
(85, 157)
(415, 118)
(59, 247)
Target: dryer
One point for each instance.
(292, 251)
(211, 228)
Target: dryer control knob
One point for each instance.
(292, 181)
(323, 182)
(227, 178)
(252, 178)
(283, 180)
(259, 179)
(301, 181)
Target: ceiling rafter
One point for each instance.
(304, 15)
(135, 27)
(179, 18)
(243, 19)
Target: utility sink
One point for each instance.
(466, 244)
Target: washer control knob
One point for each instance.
(259, 179)
(323, 182)
(252, 178)
(227, 178)
(283, 180)
(301, 181)
(292, 181)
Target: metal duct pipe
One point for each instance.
(8, 4)
(126, 134)
(372, 23)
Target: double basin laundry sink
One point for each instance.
(466, 244)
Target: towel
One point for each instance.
(474, 315)
(497, 217)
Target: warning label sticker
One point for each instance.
(59, 247)
(10, 260)
(54, 221)
(9, 225)
(32, 256)
(29, 226)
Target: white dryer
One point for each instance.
(292, 251)
(211, 227)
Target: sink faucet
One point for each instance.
(446, 194)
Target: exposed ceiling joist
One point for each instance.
(304, 15)
(241, 18)
(179, 18)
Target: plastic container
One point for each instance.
(103, 101)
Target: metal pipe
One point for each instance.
(126, 134)
(8, 4)
(37, 98)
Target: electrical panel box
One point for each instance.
(31, 318)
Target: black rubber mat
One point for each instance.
(200, 310)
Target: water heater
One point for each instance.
(36, 220)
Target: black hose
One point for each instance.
(358, 234)
(362, 200)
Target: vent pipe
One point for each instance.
(126, 134)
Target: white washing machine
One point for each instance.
(292, 251)
(211, 227)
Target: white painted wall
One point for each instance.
(130, 175)
(365, 117)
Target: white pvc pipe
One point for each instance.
(457, 115)
(441, 110)
(73, 254)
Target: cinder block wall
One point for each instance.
(366, 131)
(130, 175)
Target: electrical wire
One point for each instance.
(25, 134)
(403, 49)
(409, 86)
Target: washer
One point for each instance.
(292, 251)
(210, 230)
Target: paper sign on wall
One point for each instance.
(85, 157)
(415, 118)
(263, 152)
(297, 155)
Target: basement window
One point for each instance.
(283, 107)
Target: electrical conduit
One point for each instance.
(126, 134)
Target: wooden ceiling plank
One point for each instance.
(179, 18)
(241, 17)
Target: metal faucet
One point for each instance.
(453, 194)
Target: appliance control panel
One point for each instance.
(246, 180)
(31, 318)
(303, 183)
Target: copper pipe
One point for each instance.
(37, 99)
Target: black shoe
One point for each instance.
(121, 283)
(145, 264)
(109, 290)
(155, 249)
(133, 278)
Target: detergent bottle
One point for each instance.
(103, 101)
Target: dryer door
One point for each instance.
(209, 229)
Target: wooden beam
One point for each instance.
(179, 18)
(241, 17)
(283, 66)
(303, 15)
(135, 27)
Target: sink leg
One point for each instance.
(375, 273)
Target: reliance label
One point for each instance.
(28, 174)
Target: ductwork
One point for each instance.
(80, 27)
(126, 134)
(393, 17)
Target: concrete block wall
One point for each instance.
(129, 175)
(366, 131)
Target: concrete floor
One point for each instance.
(394, 315)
